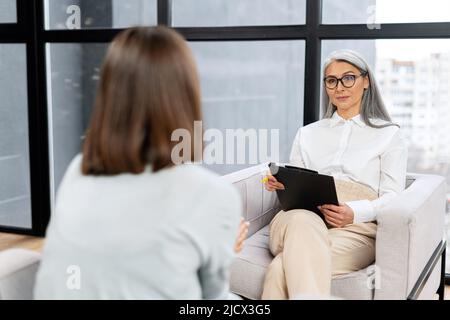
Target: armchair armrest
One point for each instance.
(18, 269)
(410, 228)
(260, 205)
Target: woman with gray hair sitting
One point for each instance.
(356, 143)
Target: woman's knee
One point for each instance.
(292, 225)
(300, 218)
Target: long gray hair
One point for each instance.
(372, 105)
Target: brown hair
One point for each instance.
(148, 88)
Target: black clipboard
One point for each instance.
(304, 188)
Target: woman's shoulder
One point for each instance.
(193, 174)
(75, 164)
(392, 134)
(74, 168)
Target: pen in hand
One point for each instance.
(271, 183)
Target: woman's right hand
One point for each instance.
(272, 184)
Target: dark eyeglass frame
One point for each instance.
(362, 74)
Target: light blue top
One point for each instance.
(163, 235)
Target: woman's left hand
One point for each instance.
(337, 216)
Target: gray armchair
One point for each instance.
(410, 245)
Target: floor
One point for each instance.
(8, 241)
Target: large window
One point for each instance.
(260, 68)
(251, 85)
(246, 85)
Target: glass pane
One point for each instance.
(414, 79)
(89, 14)
(384, 11)
(74, 72)
(15, 199)
(8, 11)
(251, 86)
(203, 13)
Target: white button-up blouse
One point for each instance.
(352, 151)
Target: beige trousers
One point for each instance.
(308, 254)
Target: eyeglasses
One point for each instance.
(347, 81)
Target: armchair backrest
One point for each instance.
(260, 205)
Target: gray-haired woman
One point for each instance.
(357, 143)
